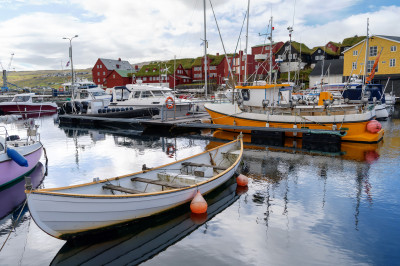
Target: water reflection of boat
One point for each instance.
(346, 150)
(13, 196)
(136, 243)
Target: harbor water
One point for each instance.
(302, 206)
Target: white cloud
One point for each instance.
(157, 30)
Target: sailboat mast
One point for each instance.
(247, 39)
(270, 54)
(366, 53)
(205, 50)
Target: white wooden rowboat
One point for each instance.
(67, 211)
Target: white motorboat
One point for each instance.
(149, 96)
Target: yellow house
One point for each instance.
(388, 63)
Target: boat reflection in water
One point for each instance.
(140, 241)
(347, 150)
(12, 197)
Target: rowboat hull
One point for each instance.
(356, 124)
(64, 212)
(11, 172)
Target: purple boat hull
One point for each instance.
(10, 171)
(13, 196)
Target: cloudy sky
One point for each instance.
(140, 31)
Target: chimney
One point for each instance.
(217, 54)
(119, 59)
(136, 67)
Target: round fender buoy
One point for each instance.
(242, 180)
(198, 204)
(374, 126)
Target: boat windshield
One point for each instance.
(21, 98)
(158, 93)
(98, 93)
(146, 94)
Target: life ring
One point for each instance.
(169, 102)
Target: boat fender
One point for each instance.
(169, 102)
(17, 157)
(242, 180)
(113, 110)
(131, 108)
(198, 204)
(117, 110)
(374, 126)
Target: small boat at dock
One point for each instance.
(69, 211)
(27, 103)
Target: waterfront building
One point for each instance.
(293, 55)
(388, 63)
(327, 72)
(103, 68)
(262, 55)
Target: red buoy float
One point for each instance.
(374, 126)
(198, 204)
(242, 180)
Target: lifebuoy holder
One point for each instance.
(169, 103)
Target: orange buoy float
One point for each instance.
(242, 180)
(198, 204)
(374, 126)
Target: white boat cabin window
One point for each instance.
(146, 94)
(84, 95)
(21, 98)
(157, 93)
(136, 94)
(98, 93)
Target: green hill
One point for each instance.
(44, 78)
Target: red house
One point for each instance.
(261, 56)
(103, 68)
(118, 78)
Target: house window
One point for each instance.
(354, 65)
(101, 66)
(373, 50)
(392, 62)
(104, 79)
(98, 80)
(144, 79)
(98, 73)
(113, 76)
(97, 66)
(355, 53)
(393, 48)
(104, 72)
(370, 64)
(319, 51)
(294, 56)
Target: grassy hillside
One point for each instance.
(44, 78)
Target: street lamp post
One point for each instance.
(70, 57)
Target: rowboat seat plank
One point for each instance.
(122, 189)
(157, 182)
(203, 165)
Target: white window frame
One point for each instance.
(354, 66)
(370, 64)
(355, 53)
(393, 48)
(373, 50)
(392, 62)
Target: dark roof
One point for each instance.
(392, 38)
(111, 64)
(335, 67)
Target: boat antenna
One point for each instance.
(205, 49)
